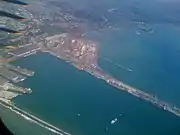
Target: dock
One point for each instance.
(7, 94)
(11, 75)
(20, 70)
(18, 89)
(83, 54)
(99, 73)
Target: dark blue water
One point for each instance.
(153, 58)
(60, 92)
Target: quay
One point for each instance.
(10, 75)
(99, 73)
(7, 94)
(83, 54)
(15, 88)
(20, 70)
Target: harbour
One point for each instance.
(31, 118)
(10, 75)
(127, 83)
(9, 91)
(98, 72)
(74, 100)
(74, 52)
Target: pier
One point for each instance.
(20, 70)
(10, 75)
(99, 73)
(83, 54)
(17, 89)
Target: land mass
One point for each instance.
(83, 54)
(74, 49)
(79, 52)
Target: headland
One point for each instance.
(83, 54)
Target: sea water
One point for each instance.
(83, 105)
(61, 92)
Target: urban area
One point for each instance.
(69, 45)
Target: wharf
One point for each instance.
(20, 70)
(18, 89)
(99, 73)
(83, 55)
(10, 75)
(7, 94)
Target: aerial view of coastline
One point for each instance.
(89, 67)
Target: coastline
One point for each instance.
(35, 120)
(7, 102)
(14, 122)
(88, 51)
(97, 104)
(131, 90)
(100, 76)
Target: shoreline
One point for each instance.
(96, 71)
(133, 91)
(83, 55)
(35, 120)
(49, 127)
(8, 104)
(99, 73)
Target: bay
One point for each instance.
(60, 92)
(153, 59)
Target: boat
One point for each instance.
(114, 121)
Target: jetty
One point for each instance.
(83, 55)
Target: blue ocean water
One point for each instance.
(60, 92)
(153, 58)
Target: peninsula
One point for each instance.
(83, 54)
(80, 52)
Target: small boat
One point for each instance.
(114, 121)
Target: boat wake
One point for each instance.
(125, 68)
(117, 64)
